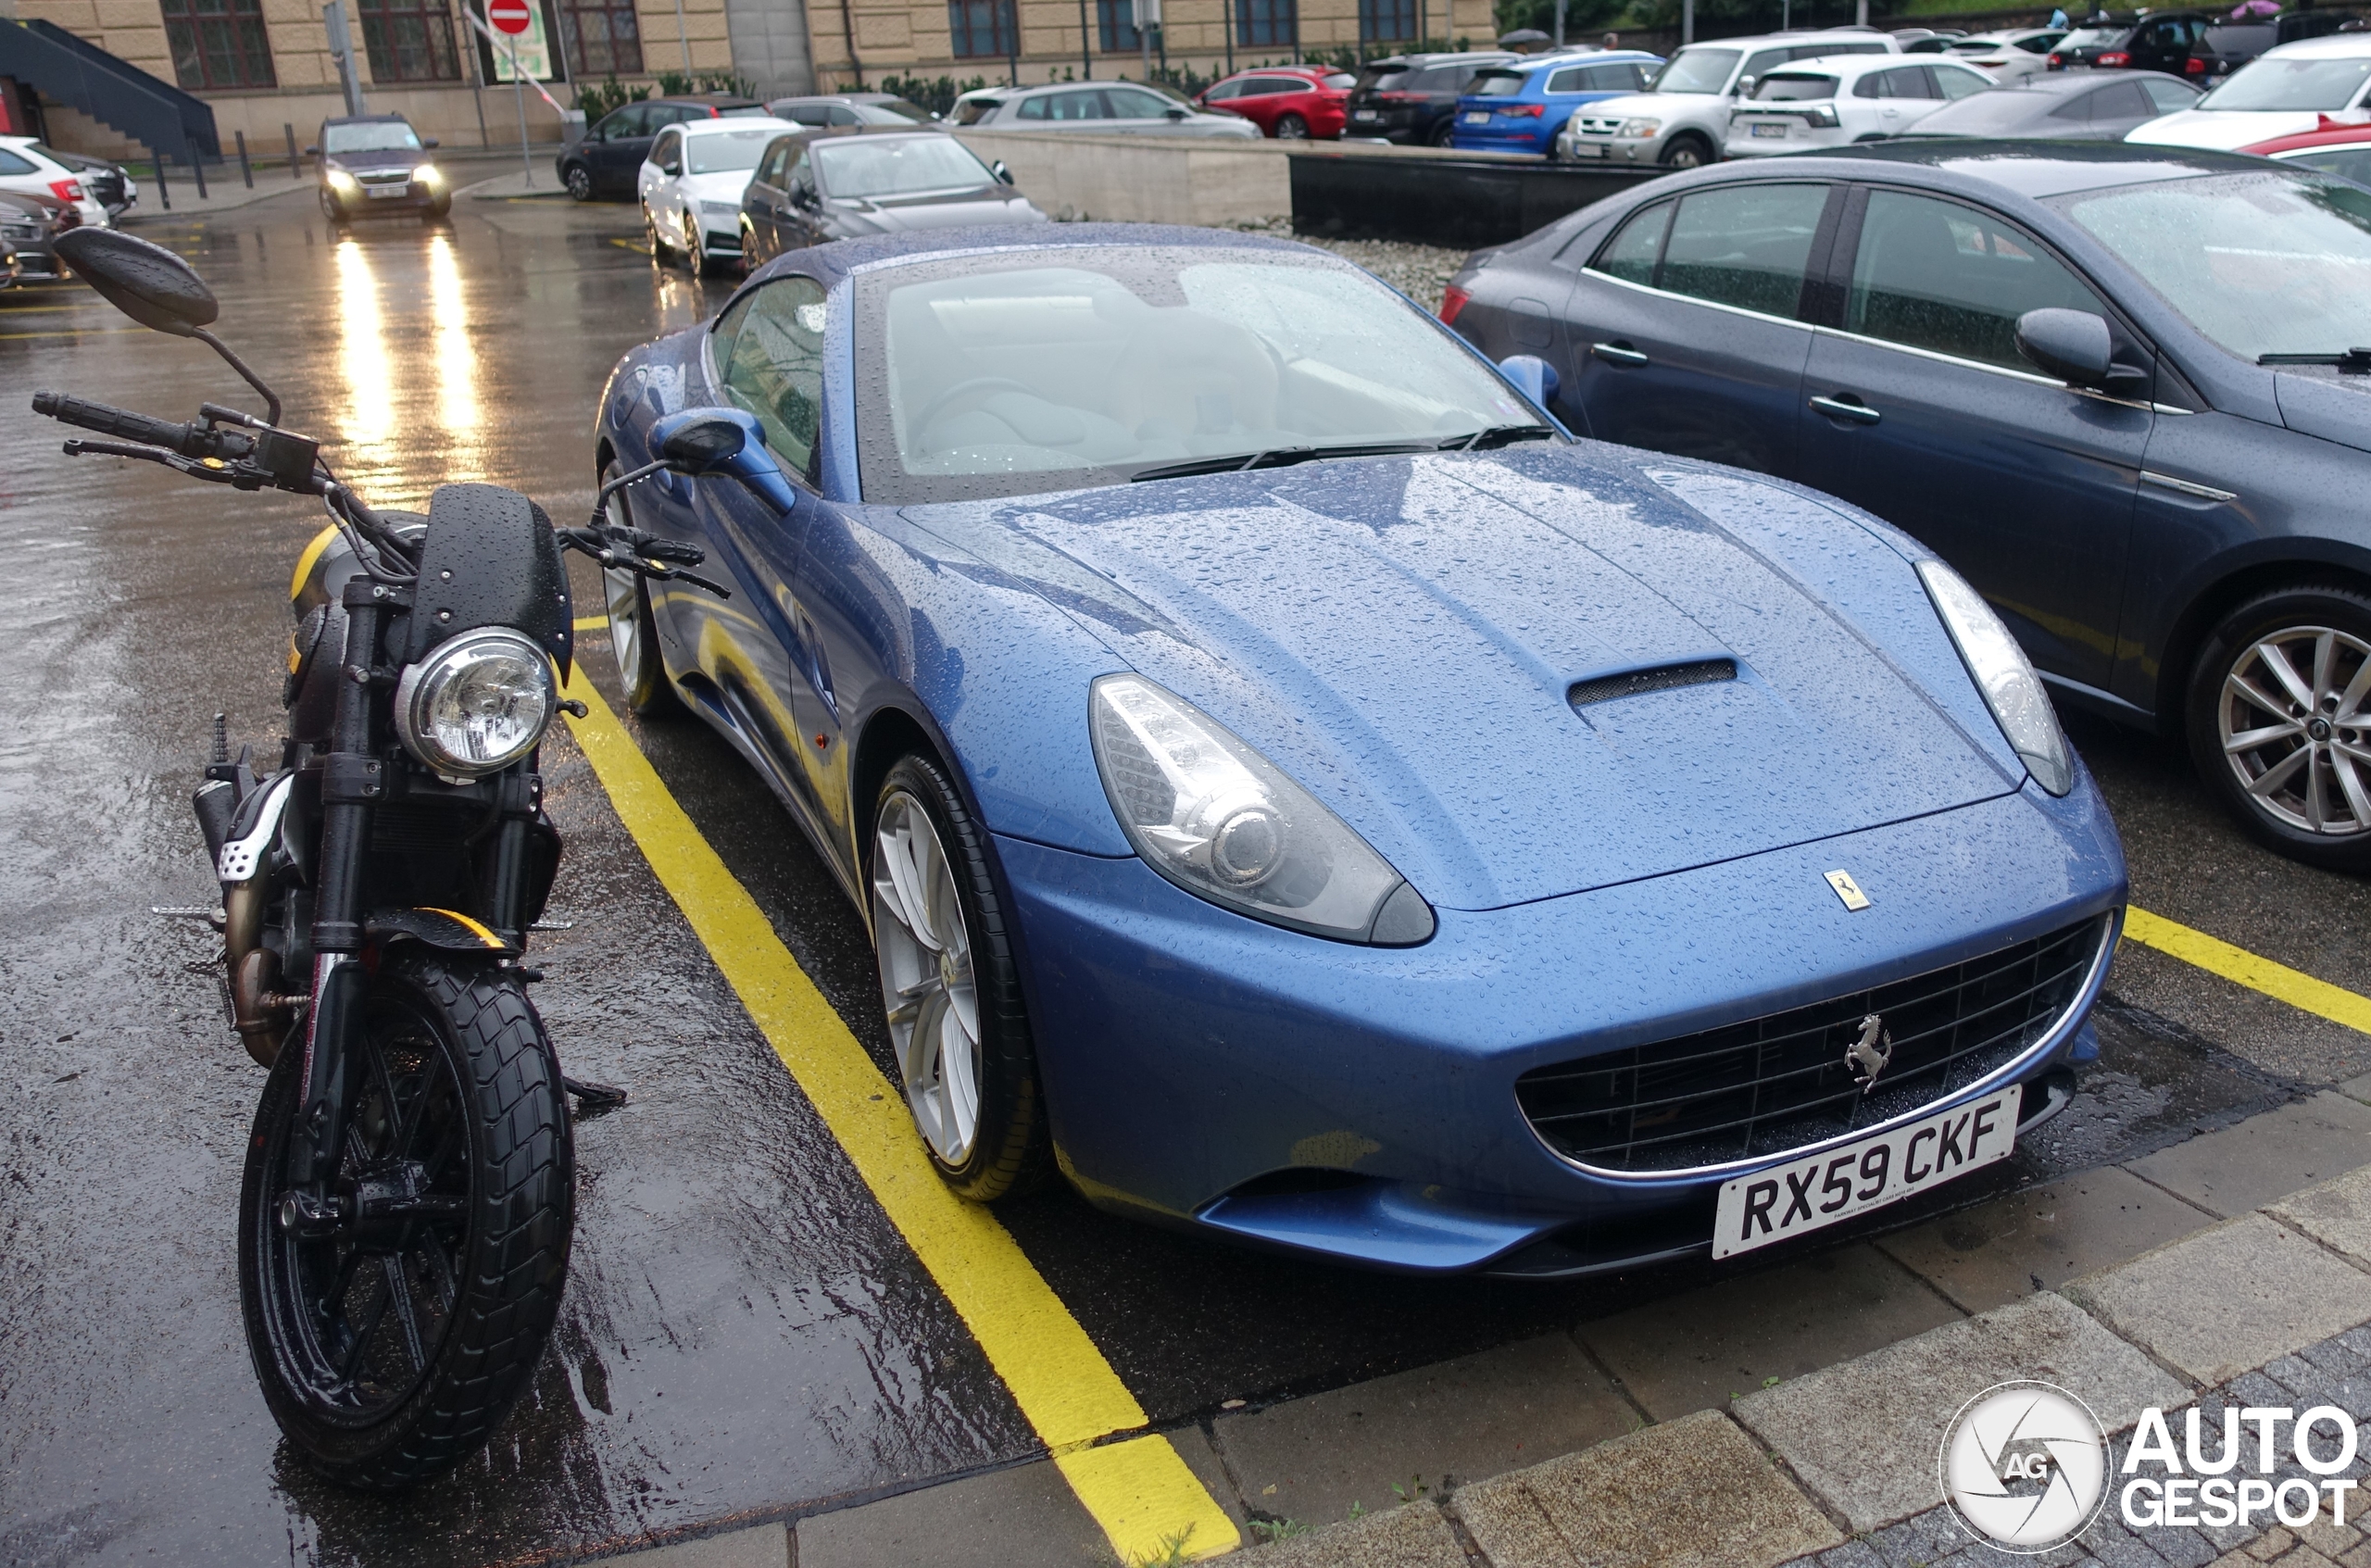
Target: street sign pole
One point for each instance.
(513, 19)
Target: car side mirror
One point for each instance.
(1533, 376)
(726, 443)
(2073, 346)
(312, 151)
(428, 141)
(1000, 171)
(1174, 113)
(146, 282)
(805, 199)
(1746, 85)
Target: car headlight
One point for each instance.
(2009, 686)
(1220, 820)
(1638, 130)
(476, 705)
(340, 180)
(427, 174)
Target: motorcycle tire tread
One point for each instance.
(517, 1262)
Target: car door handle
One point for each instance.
(1847, 408)
(1617, 354)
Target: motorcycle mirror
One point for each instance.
(700, 441)
(146, 282)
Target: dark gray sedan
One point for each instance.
(2119, 387)
(822, 186)
(2075, 106)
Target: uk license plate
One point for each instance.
(380, 192)
(1841, 1183)
(1475, 117)
(1770, 129)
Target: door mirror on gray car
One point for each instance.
(1000, 171)
(2073, 346)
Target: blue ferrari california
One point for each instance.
(1301, 793)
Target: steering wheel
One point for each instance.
(937, 406)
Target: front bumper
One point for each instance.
(1206, 1070)
(1612, 149)
(417, 194)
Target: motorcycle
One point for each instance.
(407, 1203)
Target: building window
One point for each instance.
(1386, 21)
(219, 43)
(1265, 21)
(409, 41)
(983, 29)
(1118, 21)
(600, 38)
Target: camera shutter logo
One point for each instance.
(2024, 1465)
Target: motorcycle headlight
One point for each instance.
(1220, 820)
(2009, 686)
(476, 705)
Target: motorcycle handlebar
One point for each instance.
(191, 440)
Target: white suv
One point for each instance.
(1833, 103)
(29, 169)
(1682, 118)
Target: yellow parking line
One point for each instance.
(2216, 956)
(1139, 1490)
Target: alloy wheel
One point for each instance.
(580, 182)
(1292, 128)
(927, 981)
(2295, 730)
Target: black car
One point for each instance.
(843, 109)
(377, 163)
(2229, 44)
(2079, 105)
(836, 184)
(602, 162)
(2039, 359)
(1413, 98)
(2156, 41)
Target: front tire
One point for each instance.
(1443, 132)
(389, 1351)
(1687, 152)
(950, 984)
(1291, 128)
(2279, 722)
(579, 180)
(633, 630)
(334, 210)
(660, 251)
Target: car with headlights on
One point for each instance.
(1825, 103)
(377, 164)
(691, 187)
(2120, 388)
(1682, 118)
(820, 186)
(1298, 792)
(2069, 106)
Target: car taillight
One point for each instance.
(2056, 61)
(1399, 97)
(67, 190)
(1524, 111)
(2113, 57)
(2193, 67)
(1452, 301)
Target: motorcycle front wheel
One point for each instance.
(391, 1347)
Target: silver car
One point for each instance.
(1099, 108)
(1682, 119)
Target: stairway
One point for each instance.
(80, 75)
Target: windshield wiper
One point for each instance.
(1496, 435)
(1279, 456)
(2354, 361)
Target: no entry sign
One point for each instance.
(508, 16)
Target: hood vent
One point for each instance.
(1637, 683)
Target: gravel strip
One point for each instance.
(1419, 271)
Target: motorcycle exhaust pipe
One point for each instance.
(258, 1011)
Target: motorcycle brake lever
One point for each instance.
(677, 574)
(195, 468)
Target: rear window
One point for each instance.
(743, 112)
(2093, 38)
(2253, 40)
(1498, 84)
(1340, 80)
(971, 111)
(1383, 81)
(1792, 87)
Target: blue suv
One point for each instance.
(1519, 107)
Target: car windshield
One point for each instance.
(2272, 263)
(971, 111)
(1793, 89)
(2093, 38)
(1085, 367)
(1498, 84)
(1695, 70)
(722, 152)
(371, 136)
(898, 165)
(2274, 82)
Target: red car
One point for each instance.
(2336, 146)
(1290, 102)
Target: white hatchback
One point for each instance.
(2283, 92)
(27, 170)
(2008, 54)
(1835, 102)
(690, 185)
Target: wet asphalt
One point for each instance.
(744, 1335)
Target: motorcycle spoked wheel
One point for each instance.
(388, 1354)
